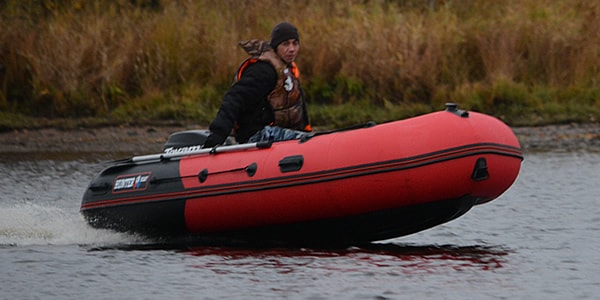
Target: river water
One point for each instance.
(539, 240)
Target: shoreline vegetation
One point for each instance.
(73, 64)
(125, 141)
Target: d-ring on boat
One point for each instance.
(350, 186)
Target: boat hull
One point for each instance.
(353, 186)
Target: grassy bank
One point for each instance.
(528, 62)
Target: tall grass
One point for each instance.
(526, 61)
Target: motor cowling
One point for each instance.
(189, 138)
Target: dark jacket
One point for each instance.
(245, 105)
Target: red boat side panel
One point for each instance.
(351, 196)
(391, 165)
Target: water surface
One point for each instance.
(538, 241)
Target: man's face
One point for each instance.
(288, 50)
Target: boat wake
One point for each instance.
(29, 224)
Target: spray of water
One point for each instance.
(32, 224)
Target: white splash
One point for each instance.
(32, 224)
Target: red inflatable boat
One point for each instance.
(350, 186)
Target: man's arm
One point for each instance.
(257, 81)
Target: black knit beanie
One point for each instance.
(283, 32)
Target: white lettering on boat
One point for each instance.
(185, 149)
(131, 182)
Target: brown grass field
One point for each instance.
(528, 62)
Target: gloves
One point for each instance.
(213, 139)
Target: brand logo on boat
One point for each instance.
(131, 182)
(185, 149)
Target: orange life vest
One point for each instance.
(286, 98)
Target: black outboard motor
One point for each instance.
(190, 140)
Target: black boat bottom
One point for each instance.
(346, 231)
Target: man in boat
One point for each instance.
(266, 101)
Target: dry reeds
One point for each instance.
(174, 59)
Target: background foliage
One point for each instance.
(527, 62)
